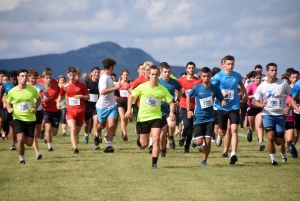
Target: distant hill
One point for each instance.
(86, 58)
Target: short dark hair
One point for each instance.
(108, 62)
(124, 71)
(2, 72)
(14, 74)
(33, 72)
(288, 71)
(22, 71)
(294, 72)
(256, 74)
(165, 65)
(48, 69)
(184, 73)
(95, 68)
(140, 65)
(153, 67)
(258, 66)
(190, 63)
(229, 58)
(205, 70)
(113, 75)
(46, 73)
(72, 69)
(270, 64)
(222, 60)
(215, 70)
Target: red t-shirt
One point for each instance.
(51, 104)
(53, 81)
(78, 88)
(140, 80)
(187, 85)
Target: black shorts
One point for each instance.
(204, 130)
(297, 121)
(145, 127)
(89, 113)
(216, 117)
(52, 117)
(123, 105)
(232, 115)
(253, 111)
(289, 125)
(164, 121)
(39, 117)
(25, 127)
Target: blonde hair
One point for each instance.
(148, 63)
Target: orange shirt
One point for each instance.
(187, 85)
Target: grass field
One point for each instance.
(127, 174)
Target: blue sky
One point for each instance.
(177, 31)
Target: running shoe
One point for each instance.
(284, 160)
(163, 153)
(203, 163)
(274, 163)
(45, 141)
(109, 149)
(96, 141)
(100, 139)
(193, 143)
(96, 147)
(39, 156)
(225, 155)
(138, 143)
(64, 134)
(171, 143)
(124, 137)
(150, 149)
(154, 167)
(13, 147)
(261, 146)
(289, 149)
(218, 140)
(294, 152)
(76, 151)
(85, 139)
(201, 149)
(186, 150)
(233, 159)
(181, 141)
(22, 162)
(51, 149)
(249, 136)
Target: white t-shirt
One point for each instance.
(275, 95)
(107, 100)
(40, 87)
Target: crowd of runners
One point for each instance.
(198, 108)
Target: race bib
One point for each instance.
(74, 101)
(273, 102)
(123, 93)
(151, 101)
(290, 113)
(93, 97)
(187, 92)
(230, 94)
(252, 101)
(24, 106)
(206, 102)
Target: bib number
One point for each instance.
(74, 101)
(230, 94)
(273, 102)
(123, 93)
(24, 106)
(206, 102)
(152, 102)
(93, 97)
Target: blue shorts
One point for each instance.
(275, 122)
(105, 113)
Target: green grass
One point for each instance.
(127, 174)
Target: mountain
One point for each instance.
(86, 58)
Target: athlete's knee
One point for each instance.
(279, 141)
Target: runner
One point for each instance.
(61, 80)
(90, 105)
(272, 94)
(76, 93)
(23, 110)
(33, 76)
(6, 87)
(254, 113)
(122, 103)
(168, 126)
(228, 81)
(150, 116)
(295, 102)
(187, 83)
(51, 113)
(106, 106)
(203, 114)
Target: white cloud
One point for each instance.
(38, 46)
(290, 33)
(6, 5)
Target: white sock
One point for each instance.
(49, 145)
(233, 153)
(283, 155)
(97, 134)
(22, 158)
(273, 157)
(150, 141)
(86, 134)
(109, 143)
